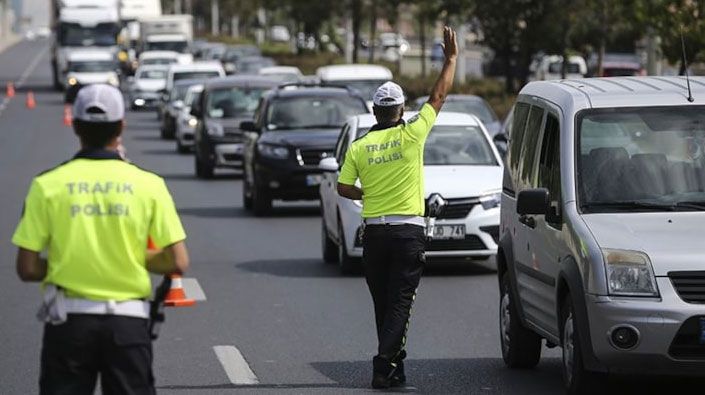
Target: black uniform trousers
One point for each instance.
(116, 347)
(394, 260)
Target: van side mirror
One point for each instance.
(502, 143)
(329, 165)
(533, 202)
(248, 126)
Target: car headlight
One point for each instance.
(273, 151)
(491, 200)
(215, 130)
(112, 80)
(629, 273)
(72, 81)
(192, 122)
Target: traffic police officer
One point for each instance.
(388, 161)
(93, 215)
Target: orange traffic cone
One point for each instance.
(68, 120)
(30, 103)
(176, 297)
(10, 90)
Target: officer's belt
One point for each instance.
(129, 308)
(396, 220)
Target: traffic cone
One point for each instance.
(68, 120)
(176, 297)
(30, 103)
(10, 90)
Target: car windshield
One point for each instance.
(176, 46)
(253, 66)
(637, 159)
(159, 61)
(366, 88)
(195, 75)
(179, 92)
(233, 102)
(458, 145)
(312, 112)
(101, 35)
(474, 107)
(152, 75)
(557, 68)
(234, 54)
(96, 66)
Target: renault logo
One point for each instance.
(436, 205)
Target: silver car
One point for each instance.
(601, 238)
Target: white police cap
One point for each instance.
(388, 94)
(99, 103)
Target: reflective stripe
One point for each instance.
(129, 308)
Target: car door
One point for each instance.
(530, 280)
(545, 239)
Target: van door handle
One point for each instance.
(528, 221)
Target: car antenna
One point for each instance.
(685, 65)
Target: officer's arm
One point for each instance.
(445, 80)
(171, 259)
(30, 267)
(349, 191)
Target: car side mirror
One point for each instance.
(502, 143)
(248, 126)
(195, 112)
(533, 202)
(329, 164)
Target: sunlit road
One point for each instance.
(276, 319)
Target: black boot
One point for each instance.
(398, 378)
(383, 371)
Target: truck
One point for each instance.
(131, 12)
(166, 33)
(82, 24)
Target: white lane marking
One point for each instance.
(193, 289)
(32, 66)
(235, 366)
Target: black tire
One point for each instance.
(246, 194)
(203, 170)
(167, 129)
(576, 379)
(521, 348)
(180, 148)
(261, 201)
(348, 265)
(329, 248)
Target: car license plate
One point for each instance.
(314, 179)
(445, 232)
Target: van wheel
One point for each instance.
(330, 249)
(576, 379)
(521, 348)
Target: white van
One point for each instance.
(365, 78)
(193, 71)
(550, 67)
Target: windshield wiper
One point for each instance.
(694, 204)
(641, 205)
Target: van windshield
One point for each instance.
(366, 88)
(642, 159)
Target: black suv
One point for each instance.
(221, 107)
(295, 126)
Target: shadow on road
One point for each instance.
(214, 212)
(191, 177)
(455, 376)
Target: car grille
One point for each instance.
(457, 208)
(686, 344)
(470, 242)
(312, 157)
(690, 286)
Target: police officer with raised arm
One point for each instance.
(388, 161)
(93, 215)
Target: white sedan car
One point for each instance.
(185, 122)
(461, 165)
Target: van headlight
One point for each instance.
(490, 200)
(273, 151)
(629, 273)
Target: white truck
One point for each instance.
(166, 33)
(131, 12)
(82, 24)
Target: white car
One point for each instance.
(285, 74)
(86, 67)
(185, 122)
(164, 58)
(550, 68)
(365, 78)
(196, 70)
(461, 164)
(147, 85)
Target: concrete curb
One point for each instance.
(8, 42)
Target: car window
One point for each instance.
(159, 61)
(528, 151)
(152, 75)
(306, 112)
(459, 145)
(96, 66)
(195, 75)
(233, 102)
(520, 116)
(549, 164)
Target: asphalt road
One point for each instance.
(299, 325)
